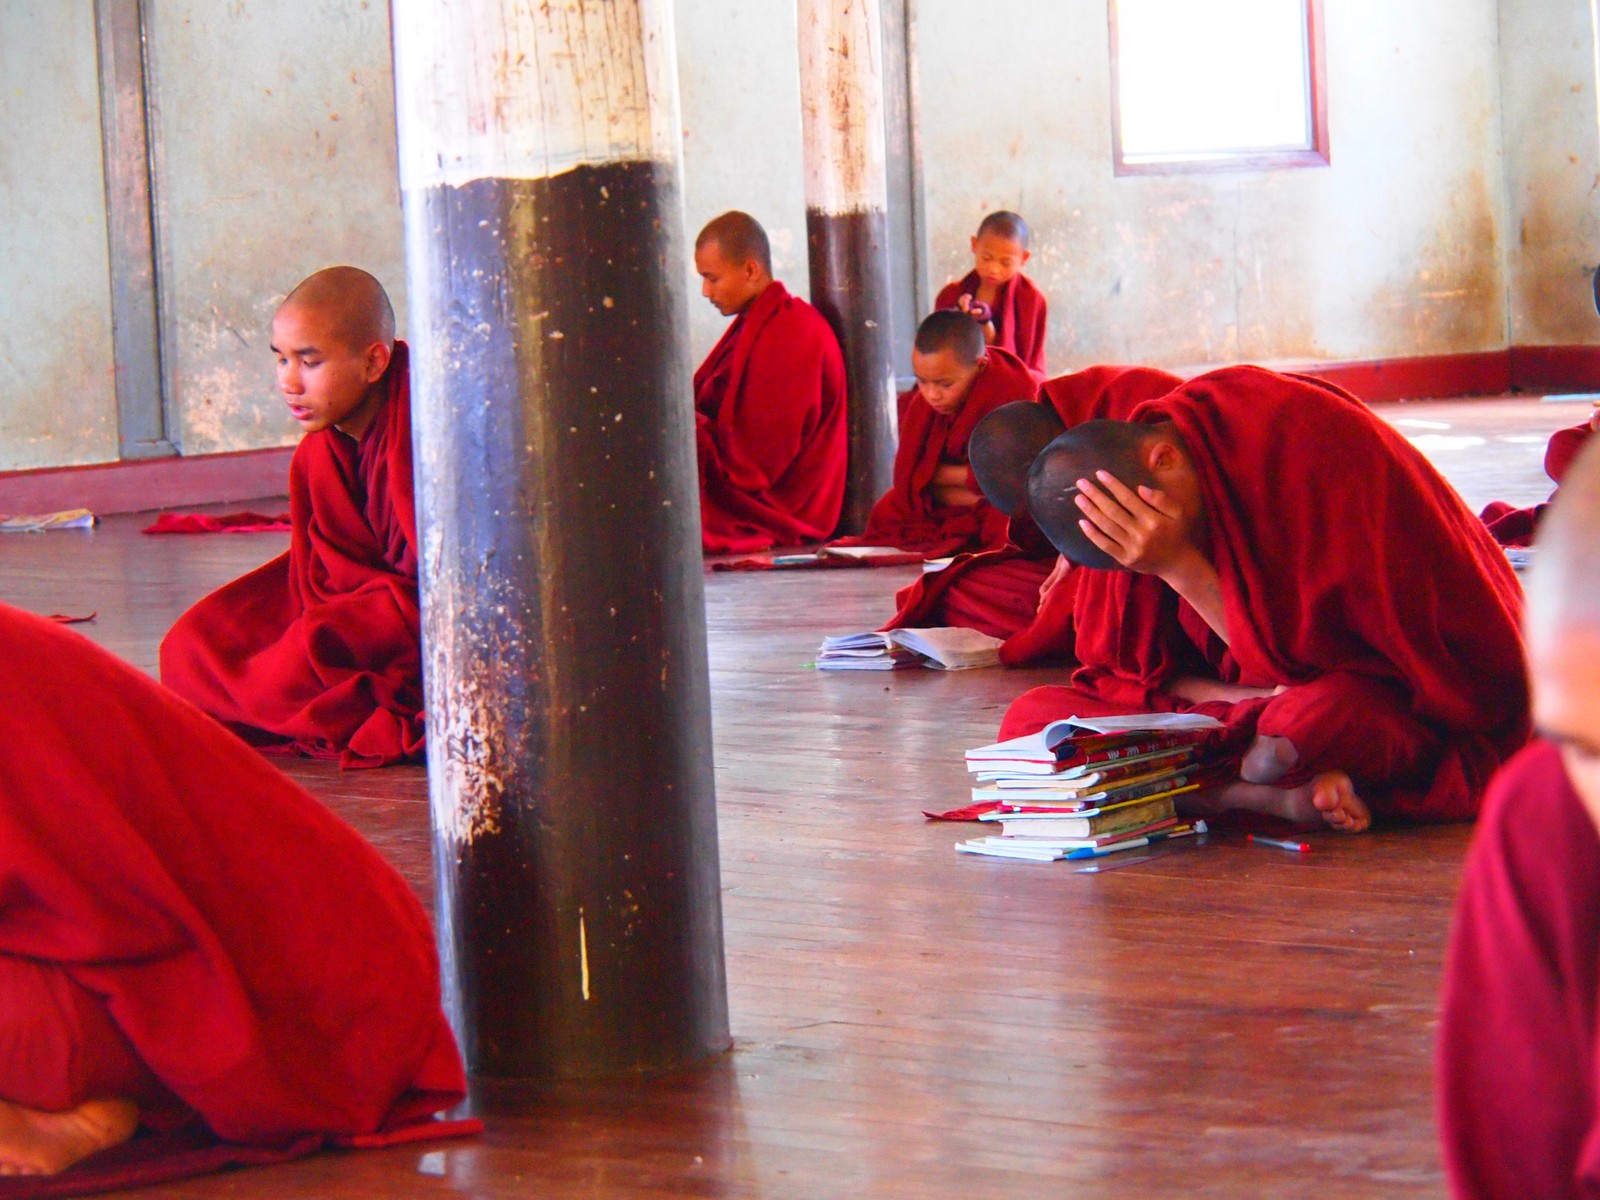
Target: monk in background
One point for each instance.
(188, 939)
(1023, 590)
(770, 402)
(1519, 1043)
(319, 652)
(1007, 304)
(1269, 552)
(1517, 526)
(934, 507)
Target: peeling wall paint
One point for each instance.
(57, 393)
(1393, 250)
(274, 133)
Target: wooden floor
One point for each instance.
(1222, 1020)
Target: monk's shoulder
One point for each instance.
(1008, 376)
(797, 326)
(1533, 818)
(1029, 290)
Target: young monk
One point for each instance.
(934, 506)
(319, 651)
(1269, 552)
(187, 937)
(1517, 526)
(1008, 305)
(1023, 590)
(1519, 1077)
(769, 402)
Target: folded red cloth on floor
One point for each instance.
(239, 522)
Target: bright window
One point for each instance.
(1216, 84)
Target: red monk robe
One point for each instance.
(184, 927)
(1519, 1043)
(1517, 526)
(997, 592)
(906, 515)
(1019, 315)
(320, 650)
(770, 428)
(1370, 591)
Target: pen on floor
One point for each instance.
(1279, 843)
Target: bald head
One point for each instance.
(1003, 447)
(1114, 446)
(352, 302)
(1008, 225)
(953, 330)
(740, 239)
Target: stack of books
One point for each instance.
(945, 649)
(1085, 788)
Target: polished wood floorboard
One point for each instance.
(1220, 1021)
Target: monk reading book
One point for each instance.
(1007, 304)
(1023, 591)
(319, 651)
(769, 402)
(934, 506)
(188, 938)
(1519, 1043)
(1270, 553)
(1517, 526)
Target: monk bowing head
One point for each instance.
(1000, 248)
(734, 260)
(947, 357)
(1117, 495)
(1003, 447)
(1562, 624)
(333, 337)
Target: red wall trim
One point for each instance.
(148, 483)
(1555, 368)
(1486, 373)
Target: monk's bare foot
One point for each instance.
(1330, 798)
(1335, 798)
(1268, 760)
(46, 1143)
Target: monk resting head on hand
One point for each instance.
(1120, 495)
(333, 337)
(1003, 447)
(947, 357)
(734, 261)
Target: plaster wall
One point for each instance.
(57, 394)
(273, 124)
(1394, 249)
(1552, 133)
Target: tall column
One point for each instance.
(841, 104)
(569, 747)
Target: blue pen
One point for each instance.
(1134, 843)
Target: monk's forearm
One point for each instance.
(1197, 690)
(953, 497)
(1196, 580)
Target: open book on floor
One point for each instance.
(944, 648)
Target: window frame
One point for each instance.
(1316, 155)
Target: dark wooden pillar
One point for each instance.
(841, 100)
(569, 732)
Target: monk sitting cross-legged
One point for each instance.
(1519, 1038)
(1023, 591)
(933, 506)
(189, 939)
(769, 402)
(319, 651)
(1267, 551)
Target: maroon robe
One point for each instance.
(1019, 314)
(770, 428)
(1378, 600)
(1519, 1042)
(320, 651)
(1517, 526)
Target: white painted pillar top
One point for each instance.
(529, 89)
(841, 106)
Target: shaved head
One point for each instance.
(1114, 446)
(353, 303)
(1008, 225)
(1003, 447)
(740, 239)
(953, 330)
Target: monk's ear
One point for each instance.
(1160, 456)
(974, 244)
(1026, 255)
(377, 361)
